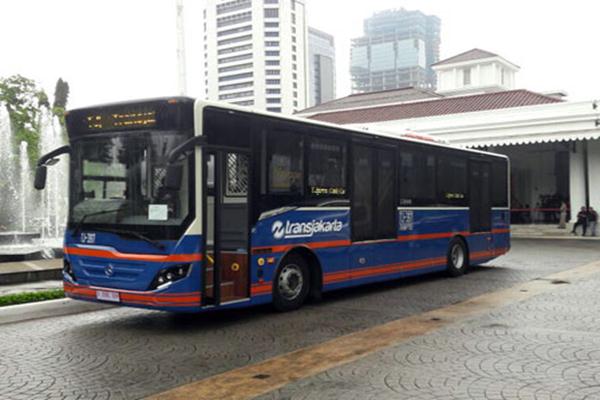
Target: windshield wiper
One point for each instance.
(82, 220)
(134, 234)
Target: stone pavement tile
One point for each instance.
(547, 347)
(128, 353)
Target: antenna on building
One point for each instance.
(181, 70)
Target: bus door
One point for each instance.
(480, 204)
(373, 205)
(227, 188)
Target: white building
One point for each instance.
(474, 71)
(553, 144)
(321, 67)
(255, 53)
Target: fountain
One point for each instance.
(31, 222)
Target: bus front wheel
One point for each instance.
(457, 258)
(291, 284)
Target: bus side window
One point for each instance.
(416, 185)
(451, 180)
(499, 183)
(327, 167)
(286, 158)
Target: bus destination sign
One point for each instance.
(120, 120)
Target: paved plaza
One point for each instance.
(544, 347)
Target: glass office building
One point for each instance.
(396, 51)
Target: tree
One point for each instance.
(24, 101)
(61, 96)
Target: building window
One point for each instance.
(274, 109)
(293, 18)
(293, 29)
(295, 75)
(293, 47)
(272, 34)
(234, 30)
(234, 40)
(285, 158)
(271, 1)
(295, 85)
(235, 67)
(273, 81)
(274, 100)
(244, 103)
(327, 167)
(295, 95)
(294, 67)
(293, 57)
(271, 13)
(295, 103)
(272, 53)
(271, 24)
(235, 86)
(236, 95)
(272, 62)
(235, 58)
(273, 91)
(272, 72)
(271, 44)
(466, 76)
(232, 6)
(234, 77)
(293, 39)
(234, 19)
(235, 49)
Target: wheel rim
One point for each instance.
(290, 282)
(457, 256)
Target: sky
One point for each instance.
(114, 50)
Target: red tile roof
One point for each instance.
(473, 54)
(428, 108)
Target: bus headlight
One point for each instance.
(171, 274)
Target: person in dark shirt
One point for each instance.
(592, 220)
(582, 219)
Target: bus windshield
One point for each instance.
(118, 180)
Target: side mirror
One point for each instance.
(40, 177)
(173, 177)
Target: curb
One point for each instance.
(46, 309)
(590, 238)
(10, 278)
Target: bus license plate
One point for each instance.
(108, 296)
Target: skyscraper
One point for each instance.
(397, 50)
(321, 67)
(254, 53)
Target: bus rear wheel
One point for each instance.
(457, 258)
(291, 284)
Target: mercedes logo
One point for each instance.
(109, 270)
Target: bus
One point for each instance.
(186, 205)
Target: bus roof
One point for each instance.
(227, 106)
(199, 104)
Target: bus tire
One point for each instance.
(291, 284)
(457, 257)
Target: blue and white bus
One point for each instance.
(185, 205)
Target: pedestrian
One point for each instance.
(593, 220)
(563, 216)
(582, 216)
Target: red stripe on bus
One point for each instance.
(128, 296)
(311, 245)
(113, 254)
(424, 236)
